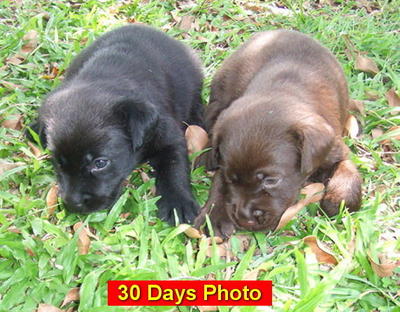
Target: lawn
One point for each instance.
(44, 257)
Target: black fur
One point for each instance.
(124, 99)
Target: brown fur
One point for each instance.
(277, 112)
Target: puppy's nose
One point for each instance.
(77, 202)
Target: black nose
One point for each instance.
(77, 202)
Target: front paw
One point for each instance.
(186, 209)
(221, 224)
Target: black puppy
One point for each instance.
(123, 101)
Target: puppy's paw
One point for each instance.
(222, 227)
(186, 210)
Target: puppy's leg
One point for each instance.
(173, 183)
(345, 184)
(216, 210)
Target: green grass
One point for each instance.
(39, 260)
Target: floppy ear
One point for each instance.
(140, 118)
(315, 138)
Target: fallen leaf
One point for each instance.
(385, 268)
(207, 308)
(30, 252)
(357, 106)
(15, 60)
(72, 295)
(44, 307)
(14, 229)
(13, 123)
(35, 151)
(193, 233)
(52, 199)
(186, 23)
(83, 238)
(5, 165)
(31, 38)
(145, 178)
(323, 255)
(376, 132)
(196, 139)
(10, 85)
(217, 239)
(351, 127)
(393, 98)
(223, 250)
(313, 192)
(366, 64)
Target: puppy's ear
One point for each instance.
(140, 118)
(315, 138)
(38, 128)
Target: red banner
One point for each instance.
(189, 293)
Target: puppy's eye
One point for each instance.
(101, 163)
(270, 182)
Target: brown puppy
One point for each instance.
(276, 116)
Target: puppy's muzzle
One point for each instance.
(77, 202)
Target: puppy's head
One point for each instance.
(264, 165)
(96, 141)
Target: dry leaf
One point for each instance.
(217, 239)
(393, 98)
(72, 295)
(323, 255)
(5, 165)
(10, 85)
(35, 150)
(393, 136)
(145, 178)
(31, 38)
(15, 60)
(377, 132)
(83, 238)
(207, 308)
(351, 127)
(357, 106)
(196, 139)
(313, 194)
(52, 199)
(193, 233)
(366, 64)
(223, 250)
(186, 22)
(14, 123)
(44, 307)
(385, 268)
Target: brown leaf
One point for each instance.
(313, 194)
(385, 268)
(357, 106)
(83, 238)
(72, 295)
(10, 85)
(207, 308)
(31, 38)
(223, 250)
(145, 178)
(366, 64)
(196, 139)
(351, 127)
(15, 60)
(392, 136)
(5, 165)
(193, 233)
(14, 123)
(185, 23)
(14, 229)
(35, 150)
(217, 239)
(377, 132)
(52, 199)
(323, 255)
(393, 98)
(44, 307)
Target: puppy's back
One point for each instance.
(273, 56)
